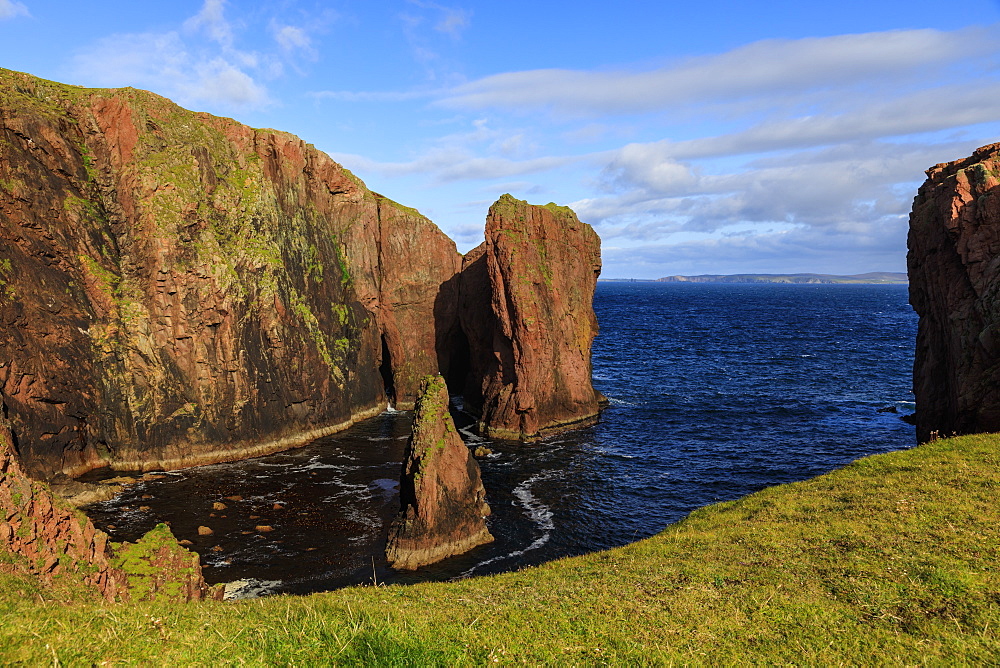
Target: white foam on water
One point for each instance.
(620, 402)
(537, 511)
(470, 437)
(250, 588)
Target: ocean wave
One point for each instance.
(538, 512)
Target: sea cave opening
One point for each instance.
(385, 369)
(457, 365)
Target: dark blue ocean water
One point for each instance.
(716, 392)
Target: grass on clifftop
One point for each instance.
(891, 560)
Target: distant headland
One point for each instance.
(880, 277)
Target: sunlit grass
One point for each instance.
(890, 560)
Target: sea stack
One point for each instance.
(526, 307)
(954, 269)
(442, 500)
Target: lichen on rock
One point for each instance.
(442, 500)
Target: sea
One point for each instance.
(716, 391)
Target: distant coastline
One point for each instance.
(875, 277)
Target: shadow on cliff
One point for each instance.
(451, 342)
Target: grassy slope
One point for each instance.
(892, 559)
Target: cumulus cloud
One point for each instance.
(762, 69)
(198, 63)
(11, 8)
(848, 185)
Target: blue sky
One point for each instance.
(719, 137)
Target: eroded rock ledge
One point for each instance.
(56, 541)
(954, 270)
(442, 501)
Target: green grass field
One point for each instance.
(891, 560)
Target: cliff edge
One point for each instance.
(954, 269)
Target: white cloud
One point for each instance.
(167, 65)
(212, 21)
(761, 69)
(448, 165)
(849, 185)
(291, 38)
(452, 20)
(372, 96)
(219, 81)
(939, 108)
(11, 9)
(195, 65)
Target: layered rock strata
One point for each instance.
(526, 307)
(443, 503)
(177, 288)
(57, 541)
(954, 270)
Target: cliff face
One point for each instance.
(526, 308)
(954, 269)
(178, 288)
(443, 503)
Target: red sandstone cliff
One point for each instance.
(526, 308)
(954, 270)
(177, 288)
(443, 503)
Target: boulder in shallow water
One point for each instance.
(442, 500)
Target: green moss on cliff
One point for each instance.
(156, 565)
(560, 211)
(50, 99)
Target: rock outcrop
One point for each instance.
(954, 269)
(526, 308)
(56, 541)
(177, 288)
(443, 503)
(180, 289)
